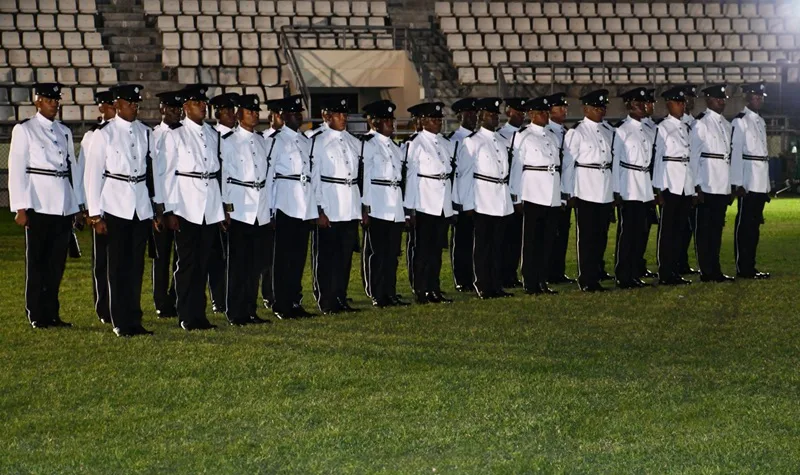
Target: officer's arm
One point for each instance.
(366, 194)
(697, 145)
(228, 170)
(86, 141)
(316, 176)
(737, 148)
(169, 153)
(18, 160)
(412, 180)
(471, 150)
(158, 189)
(572, 145)
(95, 166)
(515, 174)
(159, 164)
(658, 162)
(77, 172)
(618, 154)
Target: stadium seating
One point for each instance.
(51, 40)
(482, 35)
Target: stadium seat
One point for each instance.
(9, 6)
(479, 9)
(80, 58)
(497, 9)
(442, 9)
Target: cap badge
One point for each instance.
(55, 88)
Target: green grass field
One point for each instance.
(701, 379)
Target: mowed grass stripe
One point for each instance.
(699, 379)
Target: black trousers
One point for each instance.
(216, 270)
(193, 248)
(100, 275)
(631, 227)
(289, 260)
(268, 241)
(674, 215)
(424, 252)
(379, 258)
(46, 243)
(127, 242)
(652, 218)
(461, 251)
(710, 220)
(244, 255)
(331, 259)
(604, 239)
(163, 269)
(686, 234)
(592, 222)
(487, 253)
(749, 219)
(512, 250)
(558, 256)
(539, 229)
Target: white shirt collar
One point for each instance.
(636, 122)
(223, 129)
(120, 122)
(673, 118)
(429, 135)
(713, 114)
(193, 125)
(508, 126)
(466, 130)
(288, 131)
(590, 121)
(243, 131)
(485, 131)
(555, 125)
(537, 129)
(747, 110)
(44, 120)
(381, 137)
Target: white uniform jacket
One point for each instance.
(710, 145)
(587, 161)
(633, 154)
(429, 188)
(116, 170)
(246, 176)
(750, 157)
(464, 181)
(671, 160)
(191, 154)
(383, 165)
(536, 166)
(293, 192)
(483, 156)
(559, 134)
(40, 162)
(334, 176)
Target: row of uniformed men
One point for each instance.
(490, 176)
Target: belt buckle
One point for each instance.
(132, 179)
(552, 168)
(443, 176)
(303, 178)
(205, 176)
(393, 183)
(348, 181)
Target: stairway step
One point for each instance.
(135, 24)
(130, 41)
(154, 57)
(140, 75)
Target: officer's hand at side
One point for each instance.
(158, 224)
(225, 223)
(740, 191)
(411, 221)
(617, 200)
(365, 219)
(572, 202)
(518, 208)
(21, 218)
(323, 221)
(659, 200)
(100, 227)
(172, 223)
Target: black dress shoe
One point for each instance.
(639, 283)
(465, 288)
(331, 311)
(140, 330)
(648, 274)
(267, 303)
(256, 320)
(564, 279)
(398, 303)
(381, 303)
(594, 288)
(440, 296)
(547, 290)
(502, 293)
(58, 323)
(432, 297)
(534, 291)
(762, 275)
(605, 276)
(282, 315)
(299, 312)
(105, 321)
(344, 305)
(421, 298)
(627, 284)
(486, 295)
(123, 332)
(217, 308)
(681, 281)
(689, 270)
(512, 284)
(201, 325)
(39, 325)
(238, 322)
(166, 313)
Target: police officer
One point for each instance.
(334, 178)
(171, 108)
(45, 187)
(633, 188)
(382, 206)
(484, 157)
(750, 177)
(267, 297)
(587, 178)
(687, 232)
(105, 104)
(247, 192)
(428, 202)
(515, 111)
(225, 112)
(710, 145)
(536, 188)
(652, 209)
(193, 203)
(672, 176)
(295, 208)
(120, 194)
(462, 233)
(557, 261)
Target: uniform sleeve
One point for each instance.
(618, 154)
(515, 173)
(159, 164)
(77, 172)
(168, 152)
(466, 164)
(572, 145)
(658, 162)
(85, 143)
(95, 166)
(18, 160)
(269, 182)
(228, 170)
(697, 144)
(737, 148)
(368, 160)
(411, 200)
(316, 174)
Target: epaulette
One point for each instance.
(473, 133)
(577, 124)
(738, 116)
(25, 120)
(498, 133)
(450, 135)
(227, 135)
(619, 124)
(605, 125)
(446, 138)
(316, 133)
(658, 121)
(521, 129)
(647, 124)
(702, 114)
(95, 127)
(410, 138)
(366, 137)
(176, 125)
(273, 134)
(260, 133)
(551, 130)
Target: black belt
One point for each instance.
(248, 184)
(202, 176)
(379, 182)
(542, 168)
(46, 172)
(719, 156)
(338, 181)
(676, 159)
(128, 178)
(491, 179)
(300, 178)
(443, 176)
(757, 158)
(594, 166)
(631, 166)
